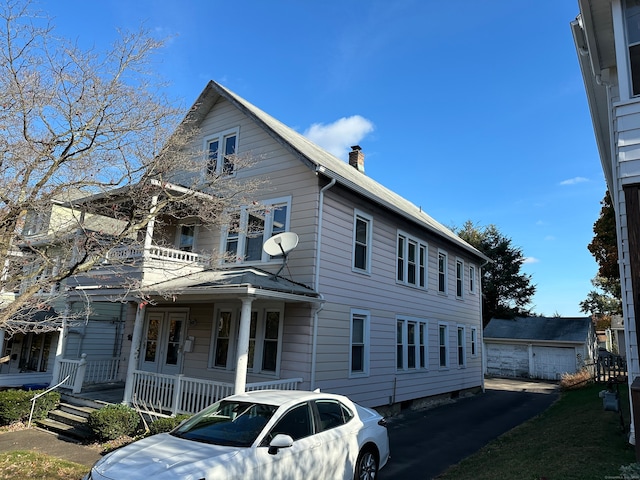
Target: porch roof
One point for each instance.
(236, 281)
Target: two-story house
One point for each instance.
(607, 39)
(376, 299)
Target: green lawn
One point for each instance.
(574, 439)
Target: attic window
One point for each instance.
(221, 149)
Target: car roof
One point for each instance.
(283, 397)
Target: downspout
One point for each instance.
(316, 281)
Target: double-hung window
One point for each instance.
(265, 340)
(411, 341)
(359, 341)
(442, 272)
(462, 344)
(632, 18)
(474, 341)
(443, 345)
(411, 266)
(362, 225)
(186, 237)
(459, 278)
(251, 227)
(472, 279)
(221, 149)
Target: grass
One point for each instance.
(575, 439)
(37, 466)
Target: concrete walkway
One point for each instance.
(40, 441)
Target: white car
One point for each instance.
(268, 434)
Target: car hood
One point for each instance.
(164, 456)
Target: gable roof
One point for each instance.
(539, 328)
(325, 163)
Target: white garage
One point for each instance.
(538, 347)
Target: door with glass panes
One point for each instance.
(162, 343)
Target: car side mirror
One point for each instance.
(280, 441)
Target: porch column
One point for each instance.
(243, 345)
(134, 354)
(62, 336)
(148, 237)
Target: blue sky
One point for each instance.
(471, 110)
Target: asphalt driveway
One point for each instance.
(425, 443)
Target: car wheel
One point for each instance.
(366, 466)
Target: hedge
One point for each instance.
(15, 405)
(114, 421)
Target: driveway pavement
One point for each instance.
(424, 443)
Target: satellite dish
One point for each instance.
(281, 244)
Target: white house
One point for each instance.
(377, 301)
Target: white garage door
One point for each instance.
(550, 363)
(507, 360)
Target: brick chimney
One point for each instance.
(356, 158)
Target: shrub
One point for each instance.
(162, 425)
(15, 405)
(113, 421)
(579, 379)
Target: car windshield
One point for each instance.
(227, 423)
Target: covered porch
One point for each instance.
(201, 337)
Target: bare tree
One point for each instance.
(80, 124)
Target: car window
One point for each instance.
(332, 414)
(296, 423)
(227, 423)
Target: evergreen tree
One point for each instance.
(506, 292)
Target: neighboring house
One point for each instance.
(28, 344)
(378, 301)
(607, 39)
(615, 336)
(538, 347)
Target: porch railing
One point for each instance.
(81, 372)
(134, 252)
(176, 394)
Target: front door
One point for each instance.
(163, 340)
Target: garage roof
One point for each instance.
(539, 328)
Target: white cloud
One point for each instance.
(574, 180)
(529, 260)
(339, 136)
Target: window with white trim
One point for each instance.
(442, 272)
(632, 19)
(249, 228)
(221, 149)
(472, 279)
(411, 266)
(411, 341)
(265, 340)
(359, 343)
(362, 242)
(443, 345)
(459, 278)
(186, 237)
(474, 341)
(462, 343)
